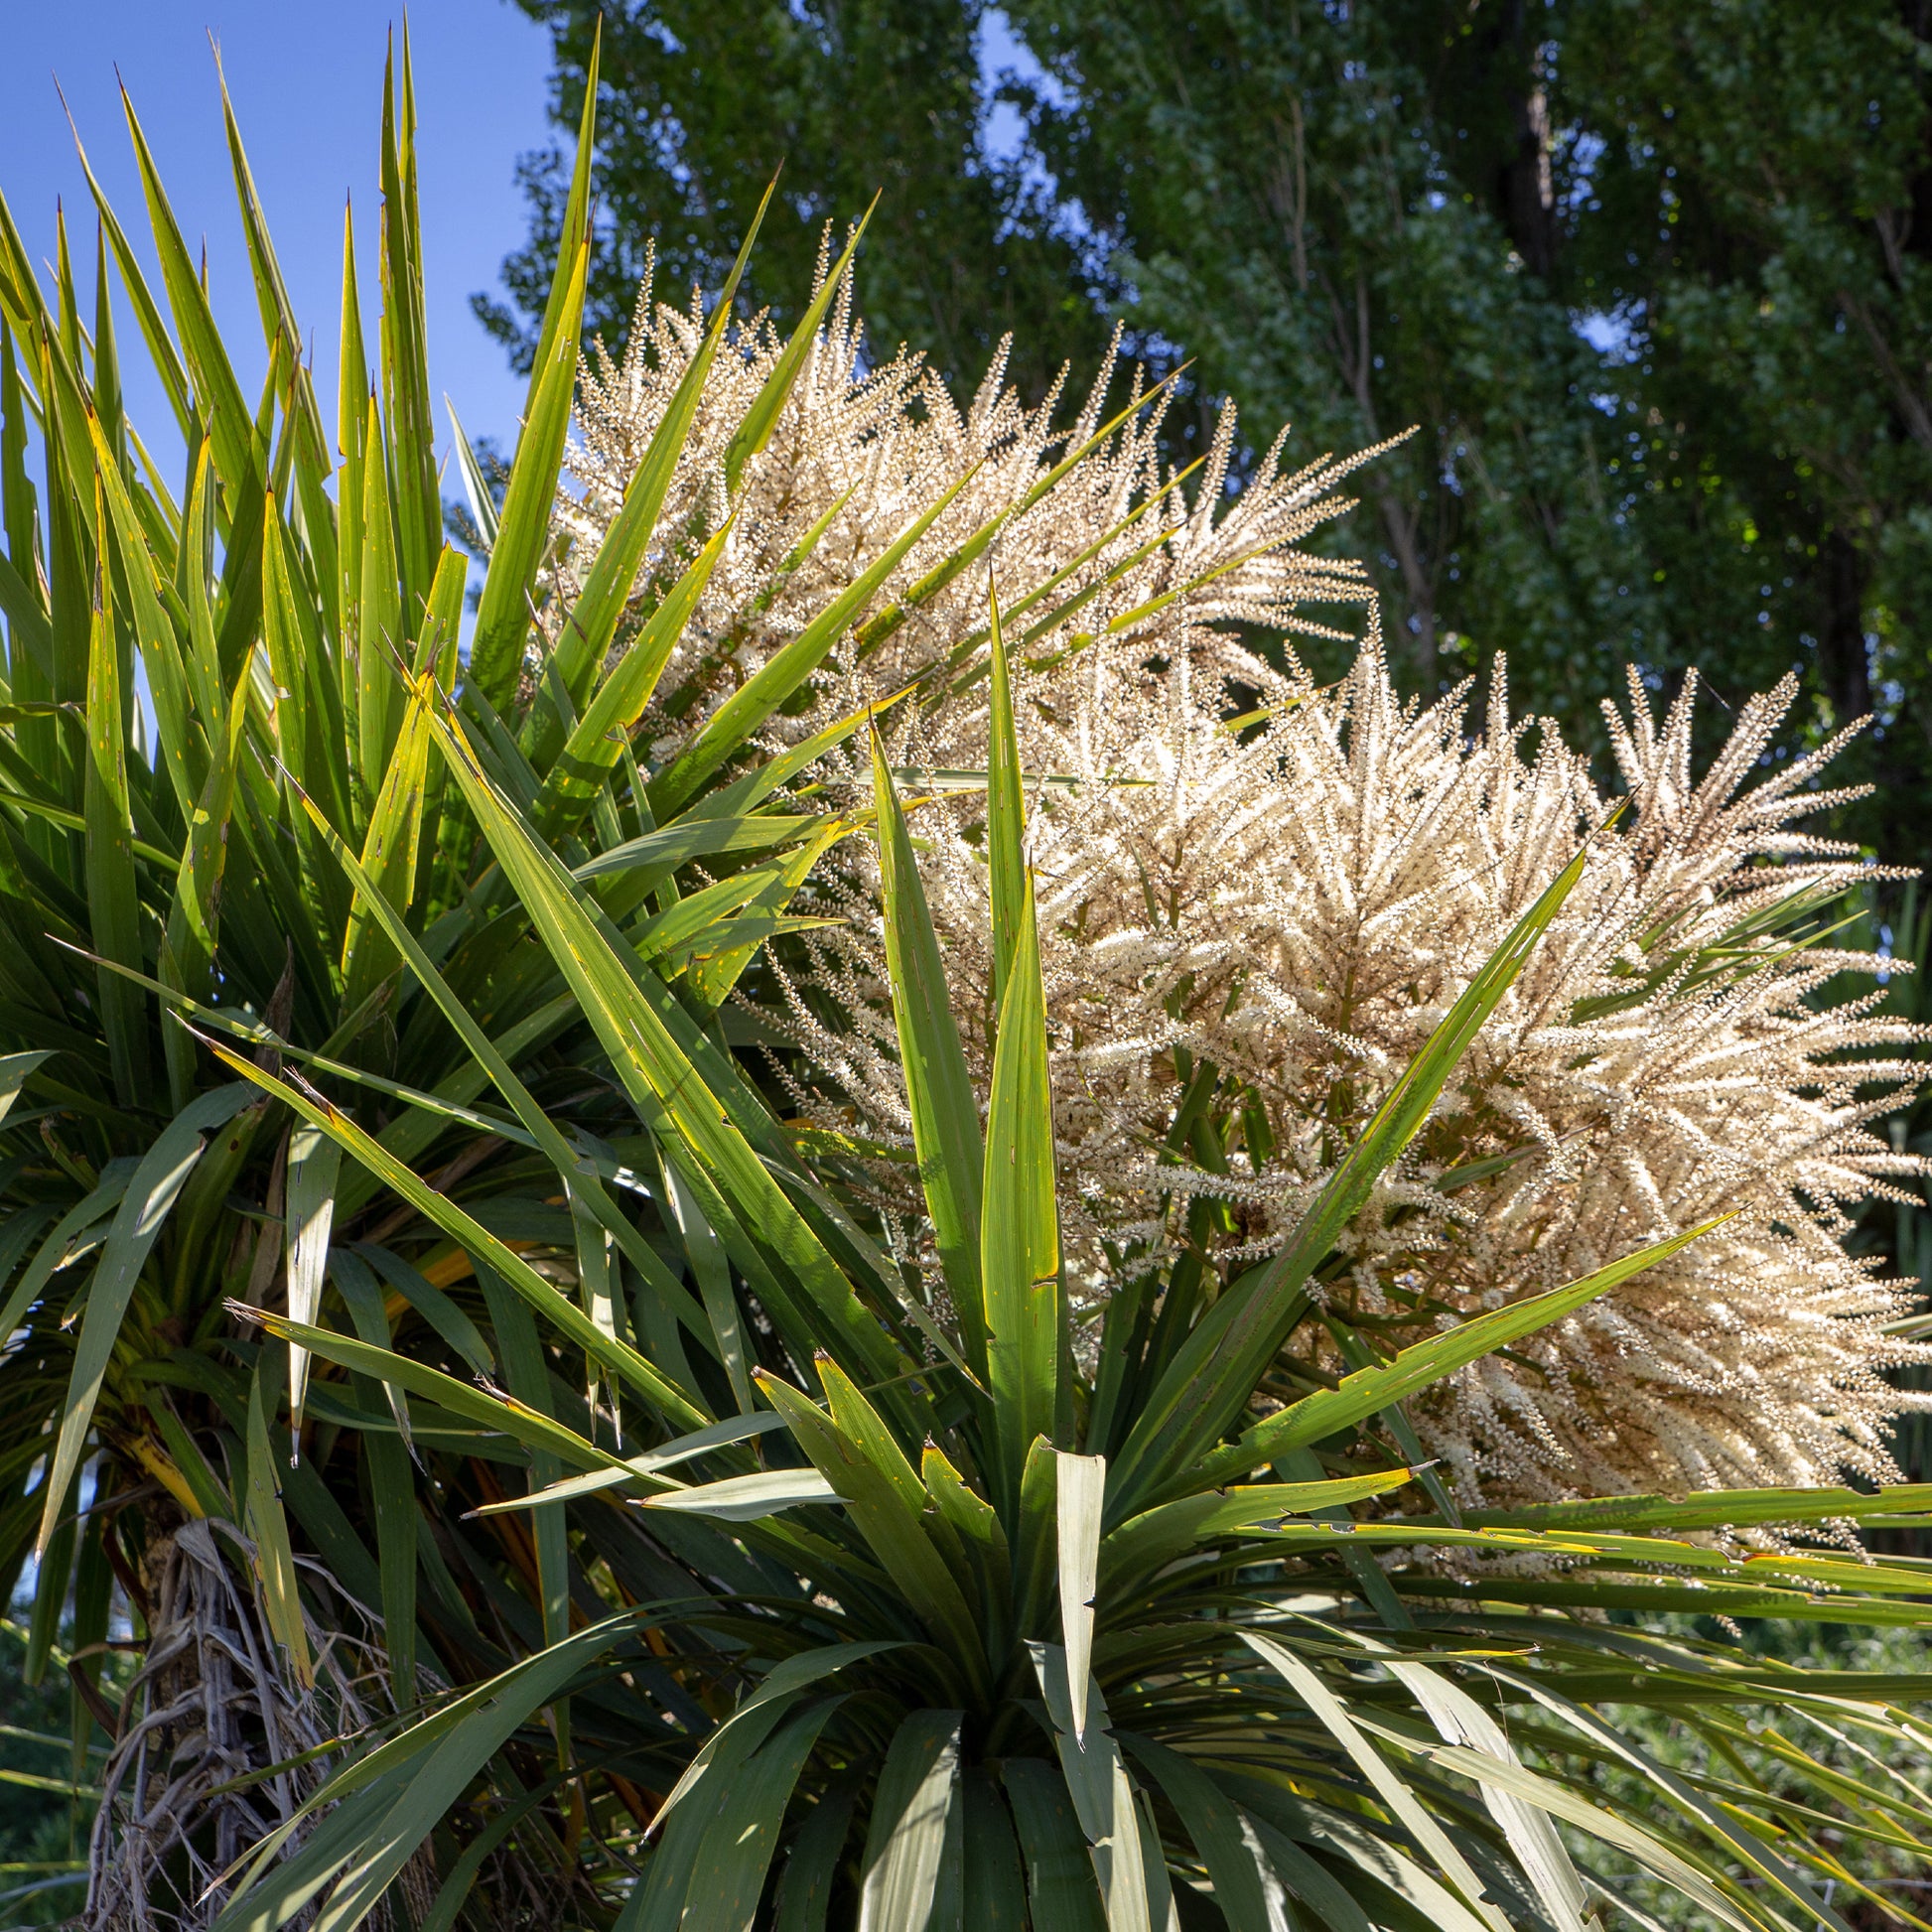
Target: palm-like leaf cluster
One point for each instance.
(724, 1578)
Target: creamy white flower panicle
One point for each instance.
(1250, 928)
(1113, 550)
(1253, 933)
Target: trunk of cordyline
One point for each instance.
(215, 1701)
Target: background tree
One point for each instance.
(1650, 280)
(853, 97)
(1328, 207)
(1761, 215)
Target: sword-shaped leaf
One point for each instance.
(751, 435)
(1710, 1509)
(1762, 1861)
(313, 1160)
(274, 1555)
(113, 897)
(490, 1411)
(608, 583)
(728, 1872)
(155, 339)
(392, 842)
(151, 1191)
(271, 293)
(351, 420)
(1061, 1892)
(671, 1095)
(701, 1442)
(1245, 1885)
(1019, 1249)
(380, 616)
(918, 1792)
(1146, 1543)
(558, 1309)
(1102, 1794)
(577, 1175)
(1006, 814)
(1422, 1364)
(476, 486)
(223, 411)
(747, 1498)
(1415, 1819)
(1083, 1494)
(183, 744)
(600, 737)
(938, 1088)
(888, 1517)
(574, 230)
(523, 529)
(727, 729)
(405, 346)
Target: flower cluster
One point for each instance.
(1115, 550)
(1250, 924)
(1248, 933)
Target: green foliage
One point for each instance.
(361, 1005)
(879, 97)
(1901, 1230)
(44, 1816)
(1760, 212)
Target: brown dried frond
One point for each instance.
(219, 1745)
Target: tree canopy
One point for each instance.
(1650, 281)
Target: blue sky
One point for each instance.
(307, 85)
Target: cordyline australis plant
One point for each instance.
(214, 762)
(209, 744)
(728, 1571)
(991, 1677)
(1249, 932)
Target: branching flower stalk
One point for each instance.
(1118, 551)
(1249, 933)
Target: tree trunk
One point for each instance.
(215, 1700)
(1844, 664)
